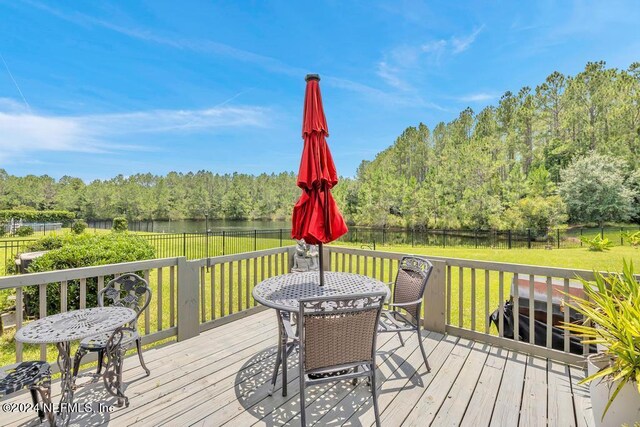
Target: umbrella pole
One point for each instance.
(321, 268)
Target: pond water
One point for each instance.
(196, 226)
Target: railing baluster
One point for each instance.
(42, 299)
(566, 314)
(203, 302)
(382, 269)
(159, 298)
(487, 295)
(549, 311)
(230, 289)
(473, 299)
(373, 269)
(344, 265)
(461, 297)
(222, 290)
(448, 294)
(63, 296)
(147, 311)
(366, 264)
(255, 275)
(239, 285)
(532, 311)
(516, 308)
(261, 268)
(284, 259)
(501, 307)
(269, 262)
(358, 264)
(100, 283)
(19, 314)
(350, 263)
(172, 284)
(83, 293)
(212, 278)
(247, 294)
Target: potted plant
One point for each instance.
(611, 310)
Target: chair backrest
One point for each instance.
(411, 282)
(338, 331)
(128, 290)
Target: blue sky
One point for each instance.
(92, 89)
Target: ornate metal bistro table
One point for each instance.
(284, 292)
(63, 328)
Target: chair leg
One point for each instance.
(303, 415)
(424, 353)
(77, 359)
(274, 378)
(34, 399)
(284, 368)
(139, 350)
(374, 393)
(401, 340)
(47, 407)
(100, 361)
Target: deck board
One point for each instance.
(222, 378)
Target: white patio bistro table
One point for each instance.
(284, 292)
(63, 328)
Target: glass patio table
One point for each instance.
(284, 292)
(63, 328)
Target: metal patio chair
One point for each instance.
(337, 341)
(34, 375)
(404, 310)
(128, 290)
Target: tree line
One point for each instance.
(567, 150)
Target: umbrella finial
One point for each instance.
(312, 77)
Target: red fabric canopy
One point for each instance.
(316, 217)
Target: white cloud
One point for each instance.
(478, 97)
(460, 44)
(22, 131)
(390, 75)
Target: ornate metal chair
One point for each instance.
(405, 309)
(337, 341)
(36, 376)
(128, 290)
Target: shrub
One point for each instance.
(32, 215)
(597, 243)
(79, 226)
(633, 238)
(24, 231)
(120, 224)
(81, 250)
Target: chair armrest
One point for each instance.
(405, 304)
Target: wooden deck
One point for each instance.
(221, 378)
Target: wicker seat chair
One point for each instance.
(337, 341)
(34, 375)
(128, 290)
(405, 309)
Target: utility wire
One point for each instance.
(15, 83)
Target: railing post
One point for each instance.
(528, 238)
(188, 299)
(326, 258)
(435, 301)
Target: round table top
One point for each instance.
(283, 292)
(74, 325)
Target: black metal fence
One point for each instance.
(215, 243)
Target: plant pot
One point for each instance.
(626, 406)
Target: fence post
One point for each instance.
(444, 238)
(281, 237)
(255, 240)
(435, 302)
(475, 237)
(355, 233)
(580, 236)
(558, 234)
(184, 244)
(509, 239)
(621, 240)
(384, 230)
(224, 238)
(412, 236)
(602, 232)
(528, 238)
(188, 299)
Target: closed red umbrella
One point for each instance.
(316, 217)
